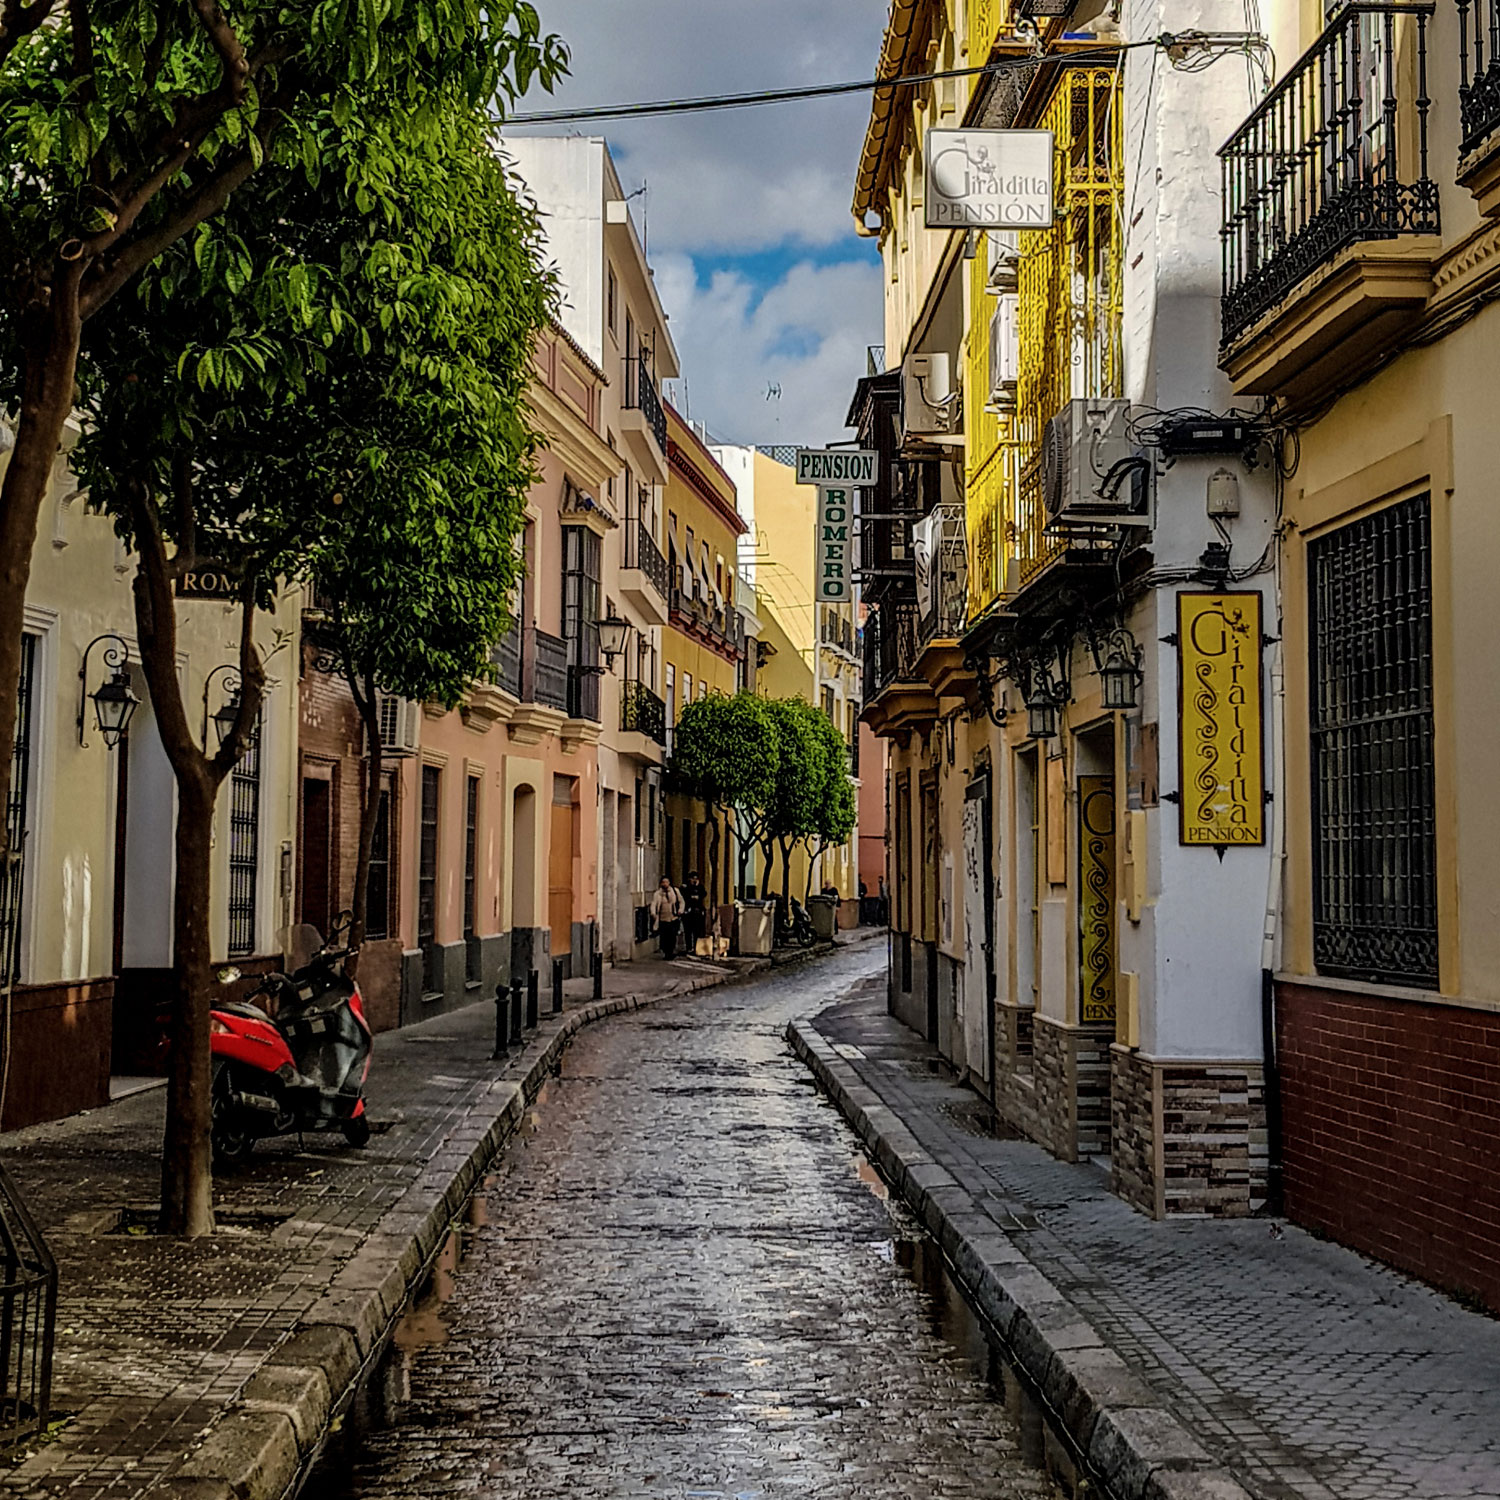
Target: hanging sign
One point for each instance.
(989, 179)
(854, 466)
(834, 554)
(1220, 719)
(837, 472)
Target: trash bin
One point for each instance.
(824, 913)
(755, 928)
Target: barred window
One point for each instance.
(12, 875)
(1374, 823)
(244, 847)
(427, 855)
(378, 890)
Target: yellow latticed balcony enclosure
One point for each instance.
(992, 452)
(1070, 290)
(984, 25)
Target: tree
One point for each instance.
(725, 751)
(319, 385)
(791, 814)
(126, 124)
(836, 812)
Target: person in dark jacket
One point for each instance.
(694, 911)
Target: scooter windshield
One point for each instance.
(298, 945)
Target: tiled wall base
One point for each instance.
(1189, 1137)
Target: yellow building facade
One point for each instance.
(1053, 932)
(704, 643)
(1371, 340)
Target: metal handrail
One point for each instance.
(28, 1319)
(642, 552)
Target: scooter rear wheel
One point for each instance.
(232, 1141)
(357, 1131)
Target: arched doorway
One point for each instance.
(523, 913)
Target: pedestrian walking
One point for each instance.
(666, 916)
(694, 912)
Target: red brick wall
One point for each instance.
(330, 734)
(1391, 1131)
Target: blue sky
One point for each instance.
(772, 296)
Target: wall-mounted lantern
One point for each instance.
(114, 702)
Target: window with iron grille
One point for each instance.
(582, 557)
(244, 847)
(427, 853)
(12, 876)
(471, 858)
(1374, 822)
(378, 889)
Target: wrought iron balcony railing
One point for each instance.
(642, 712)
(506, 655)
(891, 646)
(641, 394)
(1479, 72)
(583, 693)
(546, 674)
(642, 552)
(1336, 154)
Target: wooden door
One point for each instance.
(560, 867)
(313, 889)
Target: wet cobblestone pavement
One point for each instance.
(691, 1285)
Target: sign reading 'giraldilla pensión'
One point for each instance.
(837, 472)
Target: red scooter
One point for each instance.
(292, 1055)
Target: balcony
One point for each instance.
(896, 696)
(543, 687)
(1324, 187)
(645, 580)
(642, 712)
(506, 657)
(1479, 101)
(643, 419)
(695, 612)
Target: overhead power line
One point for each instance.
(813, 91)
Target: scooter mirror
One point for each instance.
(228, 974)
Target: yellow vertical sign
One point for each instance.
(1220, 719)
(1096, 900)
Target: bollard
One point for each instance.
(533, 987)
(502, 1021)
(557, 987)
(517, 1010)
(598, 976)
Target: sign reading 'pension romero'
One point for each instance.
(836, 472)
(989, 179)
(854, 466)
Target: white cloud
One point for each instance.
(734, 180)
(804, 337)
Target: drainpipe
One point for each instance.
(1271, 936)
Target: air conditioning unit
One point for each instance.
(1005, 260)
(1091, 471)
(1005, 354)
(929, 404)
(400, 724)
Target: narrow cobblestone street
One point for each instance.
(686, 1289)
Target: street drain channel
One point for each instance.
(382, 1399)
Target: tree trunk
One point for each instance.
(186, 1171)
(369, 814)
(53, 331)
(714, 882)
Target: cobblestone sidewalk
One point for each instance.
(1299, 1367)
(156, 1337)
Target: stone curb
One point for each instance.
(261, 1445)
(1131, 1442)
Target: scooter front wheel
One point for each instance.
(357, 1131)
(232, 1141)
